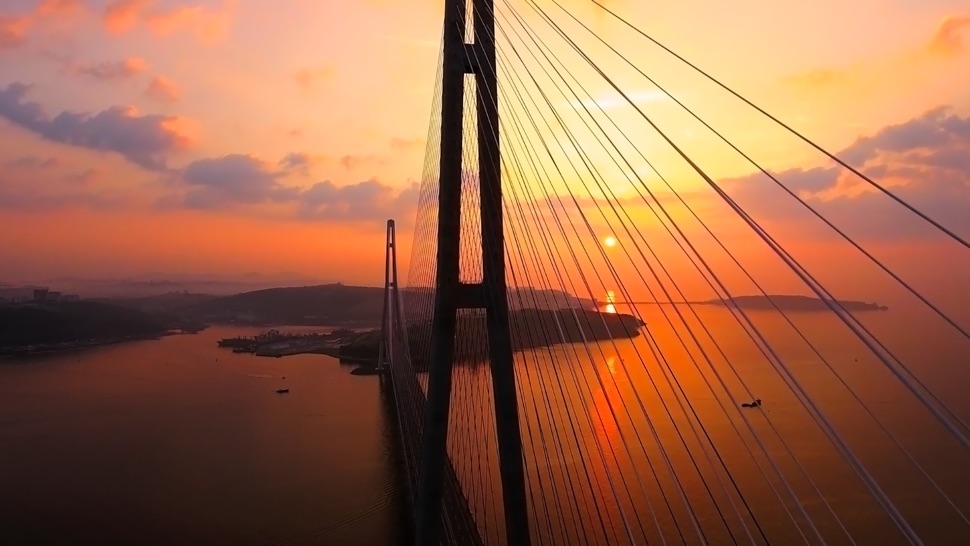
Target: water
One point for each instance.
(593, 419)
(176, 441)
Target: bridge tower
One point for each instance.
(391, 301)
(473, 55)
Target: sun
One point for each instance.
(609, 242)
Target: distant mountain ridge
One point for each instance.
(155, 284)
(340, 304)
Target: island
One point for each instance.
(530, 328)
(793, 303)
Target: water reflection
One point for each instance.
(610, 302)
(621, 443)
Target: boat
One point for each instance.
(282, 391)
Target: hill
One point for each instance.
(330, 304)
(68, 322)
(339, 304)
(173, 302)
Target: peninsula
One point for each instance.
(531, 328)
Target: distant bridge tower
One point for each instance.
(470, 55)
(391, 313)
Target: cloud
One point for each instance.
(113, 70)
(948, 38)
(146, 141)
(233, 179)
(368, 200)
(406, 144)
(13, 31)
(205, 23)
(297, 162)
(351, 162)
(925, 161)
(121, 16)
(889, 71)
(32, 162)
(936, 129)
(307, 78)
(48, 8)
(162, 89)
(227, 182)
(85, 177)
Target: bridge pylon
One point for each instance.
(391, 310)
(475, 55)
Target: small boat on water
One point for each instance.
(282, 391)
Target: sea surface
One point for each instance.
(176, 441)
(644, 441)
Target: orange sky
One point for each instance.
(209, 136)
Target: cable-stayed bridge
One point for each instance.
(560, 172)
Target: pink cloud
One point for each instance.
(114, 70)
(948, 38)
(122, 15)
(163, 89)
(207, 24)
(13, 30)
(60, 7)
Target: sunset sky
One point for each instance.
(208, 136)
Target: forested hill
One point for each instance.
(330, 304)
(37, 324)
(339, 304)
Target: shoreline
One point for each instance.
(54, 348)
